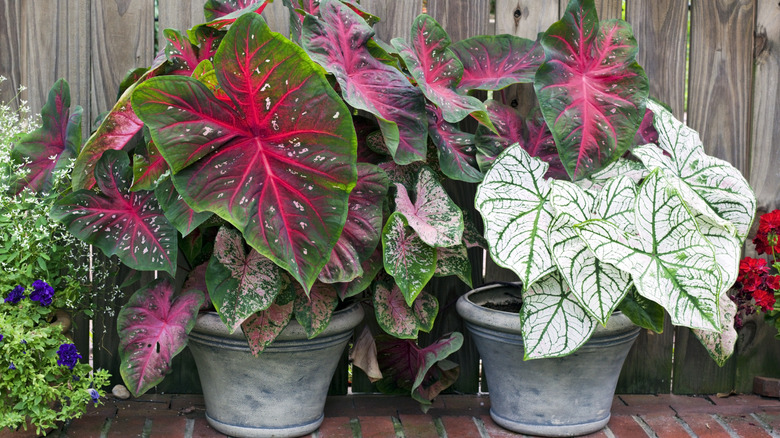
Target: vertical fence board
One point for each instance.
(277, 16)
(607, 9)
(10, 21)
(179, 15)
(719, 109)
(395, 17)
(660, 30)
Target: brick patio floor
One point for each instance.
(451, 416)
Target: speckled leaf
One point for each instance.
(398, 318)
(457, 153)
(718, 183)
(148, 169)
(513, 201)
(185, 56)
(263, 327)
(669, 260)
(313, 312)
(590, 88)
(118, 221)
(493, 62)
(371, 267)
(367, 83)
(453, 261)
(472, 237)
(178, 213)
(423, 372)
(49, 148)
(553, 323)
(406, 257)
(362, 230)
(438, 71)
(240, 283)
(214, 9)
(196, 280)
(233, 11)
(277, 169)
(720, 345)
(728, 250)
(153, 328)
(434, 216)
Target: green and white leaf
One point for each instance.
(453, 261)
(513, 201)
(719, 183)
(720, 345)
(552, 321)
(569, 198)
(406, 257)
(728, 250)
(634, 170)
(670, 261)
(615, 203)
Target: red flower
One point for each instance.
(752, 272)
(766, 240)
(764, 299)
(773, 282)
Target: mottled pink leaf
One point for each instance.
(148, 168)
(196, 280)
(457, 153)
(178, 213)
(406, 257)
(240, 283)
(590, 88)
(48, 148)
(278, 165)
(493, 62)
(153, 328)
(339, 42)
(313, 312)
(363, 227)
(437, 220)
(438, 71)
(454, 261)
(118, 221)
(263, 327)
(398, 318)
(472, 237)
(423, 372)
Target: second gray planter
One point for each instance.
(564, 396)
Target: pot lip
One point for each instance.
(341, 321)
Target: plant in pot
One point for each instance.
(628, 219)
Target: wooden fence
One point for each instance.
(729, 92)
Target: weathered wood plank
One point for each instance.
(607, 9)
(396, 17)
(10, 68)
(278, 18)
(757, 353)
(179, 15)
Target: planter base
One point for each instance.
(262, 432)
(550, 430)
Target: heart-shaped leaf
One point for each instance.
(313, 312)
(720, 345)
(493, 62)
(643, 312)
(453, 261)
(240, 283)
(406, 257)
(400, 319)
(214, 9)
(196, 280)
(153, 328)
(728, 250)
(370, 268)
(669, 260)
(263, 327)
(118, 221)
(634, 170)
(434, 216)
(185, 56)
(178, 213)
(590, 88)
(513, 202)
(367, 83)
(423, 372)
(457, 153)
(47, 149)
(148, 169)
(225, 13)
(438, 71)
(363, 228)
(278, 170)
(553, 323)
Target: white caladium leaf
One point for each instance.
(720, 345)
(615, 203)
(406, 257)
(719, 183)
(453, 261)
(433, 215)
(634, 170)
(553, 322)
(569, 198)
(728, 250)
(513, 201)
(669, 260)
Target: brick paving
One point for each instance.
(450, 416)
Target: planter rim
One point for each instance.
(343, 320)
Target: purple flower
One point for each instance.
(94, 394)
(42, 292)
(68, 355)
(12, 366)
(1, 337)
(15, 295)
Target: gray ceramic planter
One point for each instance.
(564, 396)
(280, 393)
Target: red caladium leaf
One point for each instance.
(263, 327)
(48, 148)
(313, 312)
(185, 56)
(148, 168)
(118, 221)
(363, 228)
(240, 283)
(422, 371)
(153, 328)
(398, 318)
(279, 165)
(178, 213)
(406, 257)
(457, 153)
(590, 88)
(647, 132)
(493, 62)
(196, 280)
(370, 268)
(367, 83)
(438, 71)
(214, 9)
